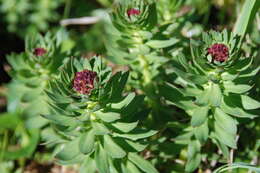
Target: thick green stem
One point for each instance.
(146, 72)
(148, 85)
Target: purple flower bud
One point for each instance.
(219, 52)
(133, 11)
(39, 51)
(83, 81)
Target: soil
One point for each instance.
(35, 167)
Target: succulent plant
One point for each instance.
(184, 104)
(212, 87)
(135, 40)
(97, 122)
(32, 69)
(30, 72)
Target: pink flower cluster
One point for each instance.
(133, 11)
(39, 51)
(219, 52)
(84, 81)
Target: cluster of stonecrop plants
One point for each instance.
(177, 103)
(31, 72)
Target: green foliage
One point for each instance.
(31, 71)
(26, 17)
(237, 166)
(223, 90)
(102, 124)
(248, 12)
(28, 138)
(163, 97)
(134, 40)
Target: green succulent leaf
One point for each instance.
(135, 146)
(225, 137)
(199, 116)
(88, 165)
(101, 159)
(191, 78)
(216, 95)
(58, 119)
(125, 127)
(176, 97)
(225, 121)
(87, 142)
(158, 44)
(141, 163)
(69, 150)
(202, 132)
(131, 168)
(249, 103)
(100, 129)
(222, 146)
(127, 100)
(108, 116)
(193, 163)
(236, 88)
(114, 150)
(137, 134)
(194, 157)
(232, 105)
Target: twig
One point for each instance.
(181, 162)
(80, 21)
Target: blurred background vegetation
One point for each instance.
(22, 17)
(19, 18)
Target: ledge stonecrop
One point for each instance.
(96, 121)
(213, 90)
(134, 14)
(31, 71)
(138, 42)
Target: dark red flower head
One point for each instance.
(133, 11)
(84, 81)
(219, 52)
(39, 51)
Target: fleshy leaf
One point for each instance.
(113, 149)
(141, 163)
(86, 142)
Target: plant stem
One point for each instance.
(4, 145)
(67, 9)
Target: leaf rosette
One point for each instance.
(213, 88)
(135, 40)
(40, 60)
(31, 71)
(130, 15)
(98, 124)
